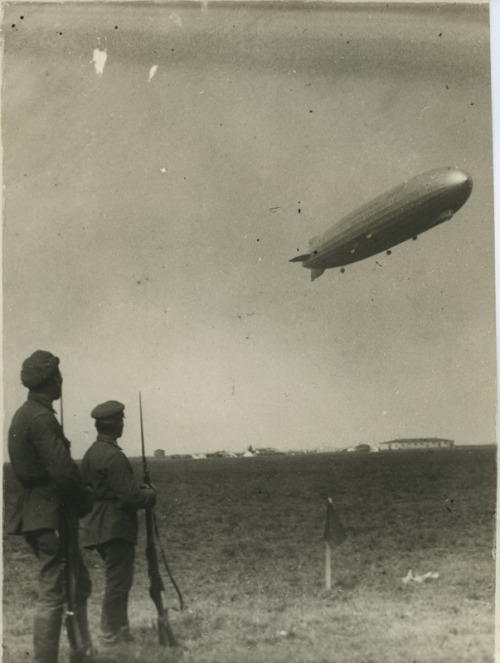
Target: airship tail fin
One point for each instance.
(316, 272)
(301, 258)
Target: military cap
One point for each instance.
(39, 368)
(108, 410)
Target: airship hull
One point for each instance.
(393, 217)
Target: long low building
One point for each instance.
(417, 443)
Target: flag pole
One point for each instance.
(328, 566)
(333, 535)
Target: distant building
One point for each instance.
(159, 453)
(417, 443)
(221, 454)
(268, 451)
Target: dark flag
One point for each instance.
(334, 530)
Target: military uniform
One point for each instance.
(111, 527)
(51, 490)
(41, 462)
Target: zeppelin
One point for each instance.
(393, 217)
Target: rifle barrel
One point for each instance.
(61, 410)
(145, 470)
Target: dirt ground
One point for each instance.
(244, 540)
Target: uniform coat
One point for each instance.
(117, 494)
(41, 462)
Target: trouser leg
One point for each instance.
(50, 603)
(46, 634)
(118, 556)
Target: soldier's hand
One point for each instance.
(85, 505)
(151, 495)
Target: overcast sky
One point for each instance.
(162, 164)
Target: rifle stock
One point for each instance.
(166, 636)
(75, 637)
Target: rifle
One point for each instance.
(166, 636)
(68, 542)
(68, 550)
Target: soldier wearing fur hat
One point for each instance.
(52, 489)
(111, 527)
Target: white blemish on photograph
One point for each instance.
(152, 72)
(99, 59)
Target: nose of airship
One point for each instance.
(459, 178)
(460, 184)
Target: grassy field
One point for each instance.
(244, 540)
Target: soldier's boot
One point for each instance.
(111, 620)
(86, 654)
(82, 656)
(125, 634)
(108, 639)
(46, 635)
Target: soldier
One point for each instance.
(111, 527)
(53, 497)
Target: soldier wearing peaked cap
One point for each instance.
(111, 527)
(53, 495)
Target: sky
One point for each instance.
(163, 163)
